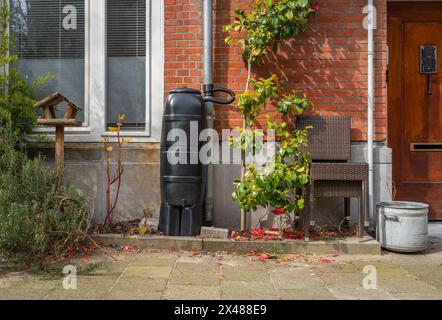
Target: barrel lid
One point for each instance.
(403, 205)
(186, 90)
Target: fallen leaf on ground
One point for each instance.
(143, 230)
(128, 249)
(264, 256)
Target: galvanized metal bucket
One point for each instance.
(402, 226)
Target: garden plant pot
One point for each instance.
(402, 226)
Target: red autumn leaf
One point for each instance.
(264, 257)
(128, 249)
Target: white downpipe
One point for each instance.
(370, 106)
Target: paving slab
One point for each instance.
(358, 293)
(244, 273)
(248, 290)
(342, 279)
(79, 294)
(148, 272)
(153, 261)
(37, 284)
(306, 294)
(195, 274)
(135, 284)
(431, 276)
(141, 294)
(291, 279)
(190, 292)
(405, 286)
(337, 268)
(111, 269)
(94, 282)
(416, 296)
(22, 294)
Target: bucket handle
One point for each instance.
(391, 218)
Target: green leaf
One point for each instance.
(289, 15)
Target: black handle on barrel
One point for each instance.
(209, 94)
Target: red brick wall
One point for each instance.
(329, 61)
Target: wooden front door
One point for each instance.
(415, 103)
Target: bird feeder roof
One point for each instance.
(55, 99)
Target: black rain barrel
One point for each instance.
(182, 183)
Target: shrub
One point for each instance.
(38, 217)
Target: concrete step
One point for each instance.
(347, 246)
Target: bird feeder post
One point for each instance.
(59, 146)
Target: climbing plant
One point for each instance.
(259, 29)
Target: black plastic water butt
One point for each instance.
(182, 182)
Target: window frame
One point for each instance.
(94, 127)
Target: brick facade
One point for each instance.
(329, 61)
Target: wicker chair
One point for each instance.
(332, 173)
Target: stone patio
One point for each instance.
(123, 274)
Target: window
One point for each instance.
(98, 52)
(49, 37)
(126, 62)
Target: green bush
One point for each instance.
(38, 217)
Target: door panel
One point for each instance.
(422, 111)
(415, 115)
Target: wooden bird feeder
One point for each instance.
(49, 119)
